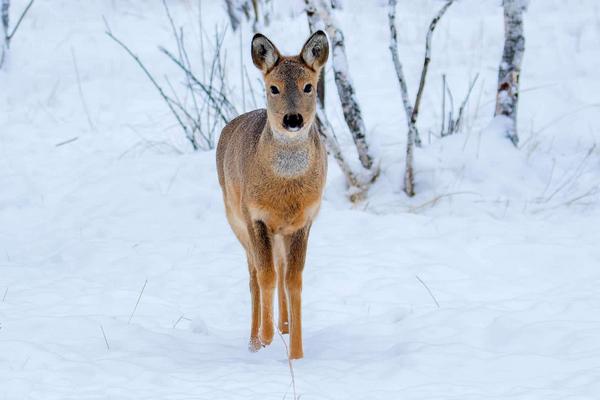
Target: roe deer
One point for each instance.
(272, 167)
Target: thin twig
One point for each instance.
(80, 88)
(457, 124)
(287, 353)
(194, 121)
(105, 340)
(443, 105)
(550, 178)
(67, 141)
(207, 89)
(138, 301)
(179, 320)
(576, 173)
(432, 25)
(189, 83)
(185, 60)
(201, 30)
(9, 37)
(172, 23)
(166, 98)
(5, 293)
(427, 287)
(592, 191)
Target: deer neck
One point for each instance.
(285, 155)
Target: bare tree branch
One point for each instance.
(461, 110)
(411, 112)
(217, 98)
(432, 25)
(12, 34)
(210, 106)
(6, 36)
(166, 98)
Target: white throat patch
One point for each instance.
(291, 161)
(292, 155)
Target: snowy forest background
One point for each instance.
(120, 278)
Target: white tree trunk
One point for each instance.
(357, 184)
(408, 109)
(333, 148)
(320, 16)
(507, 98)
(313, 26)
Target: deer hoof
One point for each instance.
(254, 344)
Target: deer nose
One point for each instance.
(292, 122)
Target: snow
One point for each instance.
(506, 240)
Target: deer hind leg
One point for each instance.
(279, 256)
(241, 232)
(254, 344)
(296, 255)
(265, 274)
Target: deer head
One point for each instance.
(290, 83)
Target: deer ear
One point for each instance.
(264, 53)
(316, 50)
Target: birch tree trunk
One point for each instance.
(333, 147)
(319, 15)
(356, 185)
(313, 26)
(507, 98)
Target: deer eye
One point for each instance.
(274, 90)
(307, 88)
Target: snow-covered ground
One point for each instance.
(505, 240)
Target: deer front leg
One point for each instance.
(254, 343)
(283, 323)
(296, 245)
(279, 256)
(265, 274)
